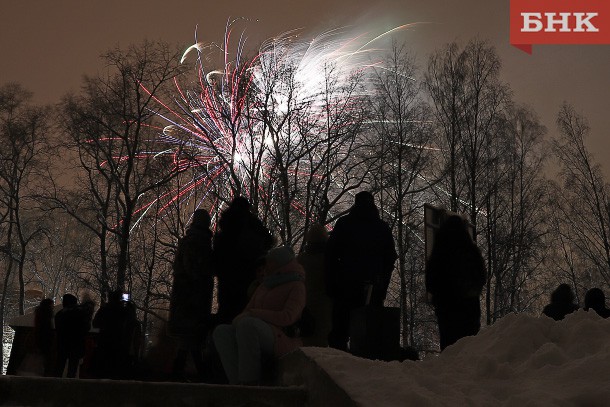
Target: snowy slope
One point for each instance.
(522, 360)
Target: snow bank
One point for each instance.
(520, 361)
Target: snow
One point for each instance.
(521, 360)
(6, 347)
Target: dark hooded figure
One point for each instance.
(43, 332)
(360, 255)
(118, 327)
(241, 239)
(455, 275)
(191, 296)
(71, 326)
(596, 300)
(562, 303)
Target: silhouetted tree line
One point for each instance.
(90, 202)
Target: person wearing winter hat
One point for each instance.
(258, 332)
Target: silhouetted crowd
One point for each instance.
(68, 350)
(563, 302)
(271, 301)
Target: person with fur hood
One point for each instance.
(260, 331)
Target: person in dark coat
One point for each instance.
(562, 303)
(312, 258)
(596, 300)
(44, 334)
(360, 255)
(240, 241)
(191, 296)
(119, 329)
(72, 323)
(455, 276)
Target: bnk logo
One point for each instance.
(564, 22)
(559, 22)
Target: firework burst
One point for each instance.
(261, 126)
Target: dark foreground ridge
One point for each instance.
(301, 383)
(54, 392)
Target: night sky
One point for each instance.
(48, 45)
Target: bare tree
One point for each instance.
(338, 145)
(586, 216)
(444, 81)
(469, 99)
(23, 137)
(58, 259)
(566, 262)
(514, 222)
(317, 148)
(114, 128)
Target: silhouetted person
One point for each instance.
(191, 296)
(240, 240)
(312, 258)
(359, 254)
(262, 329)
(87, 305)
(133, 339)
(562, 303)
(72, 323)
(44, 334)
(596, 300)
(455, 275)
(118, 327)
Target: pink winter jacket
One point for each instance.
(280, 306)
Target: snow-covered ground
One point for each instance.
(522, 360)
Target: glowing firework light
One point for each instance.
(242, 118)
